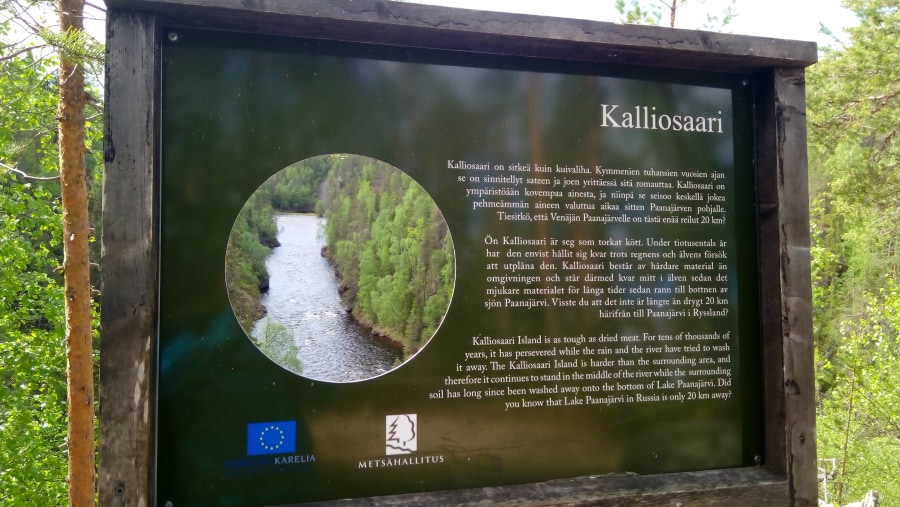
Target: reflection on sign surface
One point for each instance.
(603, 318)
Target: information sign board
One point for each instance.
(511, 270)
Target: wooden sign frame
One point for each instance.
(131, 230)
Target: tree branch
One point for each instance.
(19, 52)
(21, 13)
(884, 98)
(95, 6)
(25, 175)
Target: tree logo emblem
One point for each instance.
(401, 434)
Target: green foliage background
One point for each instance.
(32, 381)
(32, 350)
(854, 147)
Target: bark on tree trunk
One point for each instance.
(76, 266)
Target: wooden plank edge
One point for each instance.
(379, 21)
(748, 487)
(129, 260)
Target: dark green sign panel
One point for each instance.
(545, 269)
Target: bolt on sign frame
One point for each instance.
(628, 318)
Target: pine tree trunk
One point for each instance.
(76, 266)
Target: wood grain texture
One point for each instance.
(129, 260)
(796, 294)
(379, 21)
(785, 286)
(770, 274)
(750, 487)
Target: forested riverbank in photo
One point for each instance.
(254, 234)
(361, 288)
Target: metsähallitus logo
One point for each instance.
(401, 434)
(278, 437)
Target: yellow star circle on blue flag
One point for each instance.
(279, 437)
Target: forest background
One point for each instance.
(853, 114)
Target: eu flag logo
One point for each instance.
(271, 438)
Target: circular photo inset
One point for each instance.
(340, 268)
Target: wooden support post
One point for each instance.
(129, 259)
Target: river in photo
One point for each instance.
(303, 296)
